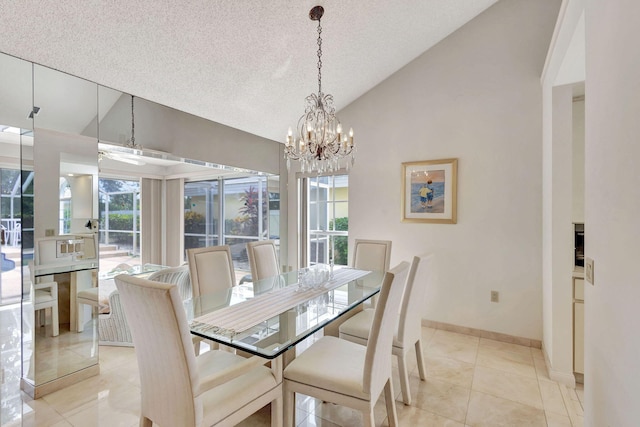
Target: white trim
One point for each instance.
(562, 377)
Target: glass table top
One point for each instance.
(280, 312)
(132, 270)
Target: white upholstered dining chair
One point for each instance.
(210, 269)
(349, 374)
(374, 255)
(370, 255)
(178, 388)
(263, 259)
(409, 332)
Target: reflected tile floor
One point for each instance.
(470, 382)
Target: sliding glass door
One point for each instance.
(231, 211)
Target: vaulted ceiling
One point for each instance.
(246, 64)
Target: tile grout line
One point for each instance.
(568, 403)
(473, 378)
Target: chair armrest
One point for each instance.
(228, 374)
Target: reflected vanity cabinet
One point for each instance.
(578, 324)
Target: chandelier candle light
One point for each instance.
(319, 143)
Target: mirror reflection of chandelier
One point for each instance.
(319, 142)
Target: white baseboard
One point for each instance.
(566, 378)
(497, 336)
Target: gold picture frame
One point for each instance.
(430, 191)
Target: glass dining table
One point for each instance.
(270, 316)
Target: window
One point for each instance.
(201, 214)
(120, 213)
(232, 212)
(65, 207)
(325, 220)
(13, 194)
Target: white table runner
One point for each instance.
(240, 317)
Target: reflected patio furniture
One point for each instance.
(112, 326)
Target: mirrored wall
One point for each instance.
(74, 186)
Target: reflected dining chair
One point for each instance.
(44, 295)
(349, 374)
(263, 259)
(409, 332)
(179, 388)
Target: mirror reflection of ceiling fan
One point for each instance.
(120, 157)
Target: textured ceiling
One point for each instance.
(246, 64)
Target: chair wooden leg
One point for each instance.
(368, 419)
(420, 357)
(145, 422)
(277, 418)
(80, 318)
(390, 401)
(289, 408)
(404, 379)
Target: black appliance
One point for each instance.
(579, 244)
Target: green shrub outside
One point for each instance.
(340, 243)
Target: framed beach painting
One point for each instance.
(429, 191)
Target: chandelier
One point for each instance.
(319, 142)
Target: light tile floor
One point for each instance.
(470, 382)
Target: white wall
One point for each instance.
(558, 345)
(475, 96)
(612, 203)
(52, 151)
(578, 161)
(557, 198)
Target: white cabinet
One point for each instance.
(578, 325)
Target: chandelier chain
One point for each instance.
(133, 126)
(319, 58)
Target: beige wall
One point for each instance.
(612, 203)
(476, 97)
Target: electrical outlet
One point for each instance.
(495, 296)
